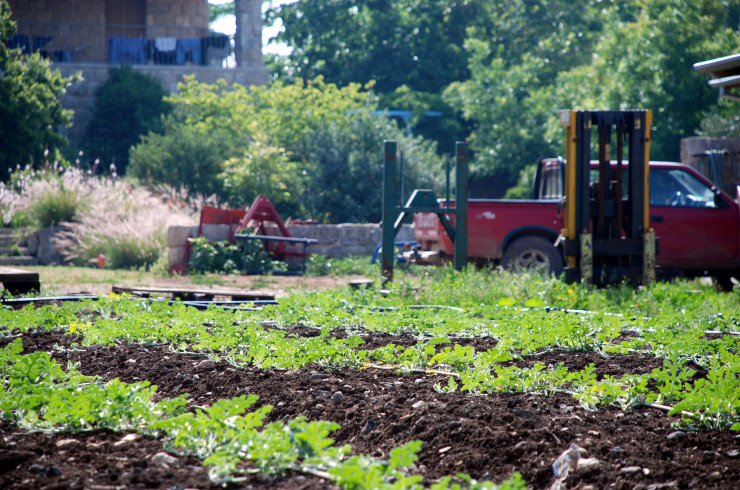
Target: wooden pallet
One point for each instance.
(19, 281)
(190, 294)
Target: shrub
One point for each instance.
(216, 257)
(312, 148)
(225, 258)
(127, 105)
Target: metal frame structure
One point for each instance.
(607, 236)
(423, 201)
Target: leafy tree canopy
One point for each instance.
(508, 67)
(313, 148)
(30, 110)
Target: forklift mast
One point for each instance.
(606, 234)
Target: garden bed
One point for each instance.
(486, 435)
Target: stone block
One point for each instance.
(175, 255)
(216, 233)
(177, 236)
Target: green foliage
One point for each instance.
(128, 105)
(216, 257)
(60, 205)
(525, 184)
(38, 395)
(721, 120)
(30, 109)
(225, 258)
(320, 265)
(323, 162)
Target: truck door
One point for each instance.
(696, 230)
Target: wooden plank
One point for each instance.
(19, 281)
(195, 293)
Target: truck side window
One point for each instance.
(676, 188)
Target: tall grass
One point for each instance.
(98, 215)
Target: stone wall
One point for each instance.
(336, 241)
(693, 153)
(180, 13)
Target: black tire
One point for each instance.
(723, 281)
(533, 253)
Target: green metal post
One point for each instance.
(461, 205)
(389, 211)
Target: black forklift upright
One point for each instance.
(607, 237)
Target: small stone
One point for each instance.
(715, 475)
(676, 436)
(131, 361)
(419, 381)
(587, 465)
(206, 364)
(660, 486)
(164, 459)
(733, 453)
(444, 449)
(337, 397)
(628, 470)
(526, 414)
(53, 471)
(646, 471)
(369, 426)
(454, 424)
(418, 404)
(196, 377)
(707, 457)
(314, 414)
(67, 443)
(127, 439)
(315, 376)
(594, 433)
(37, 469)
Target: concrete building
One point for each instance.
(164, 38)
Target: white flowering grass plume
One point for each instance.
(96, 215)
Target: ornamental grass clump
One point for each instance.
(37, 199)
(95, 214)
(126, 224)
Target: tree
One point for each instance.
(410, 49)
(30, 110)
(514, 64)
(646, 63)
(128, 105)
(313, 148)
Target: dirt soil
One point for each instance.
(488, 437)
(278, 286)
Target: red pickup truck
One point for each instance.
(697, 225)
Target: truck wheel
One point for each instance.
(724, 281)
(533, 253)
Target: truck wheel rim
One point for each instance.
(534, 260)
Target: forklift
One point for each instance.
(606, 236)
